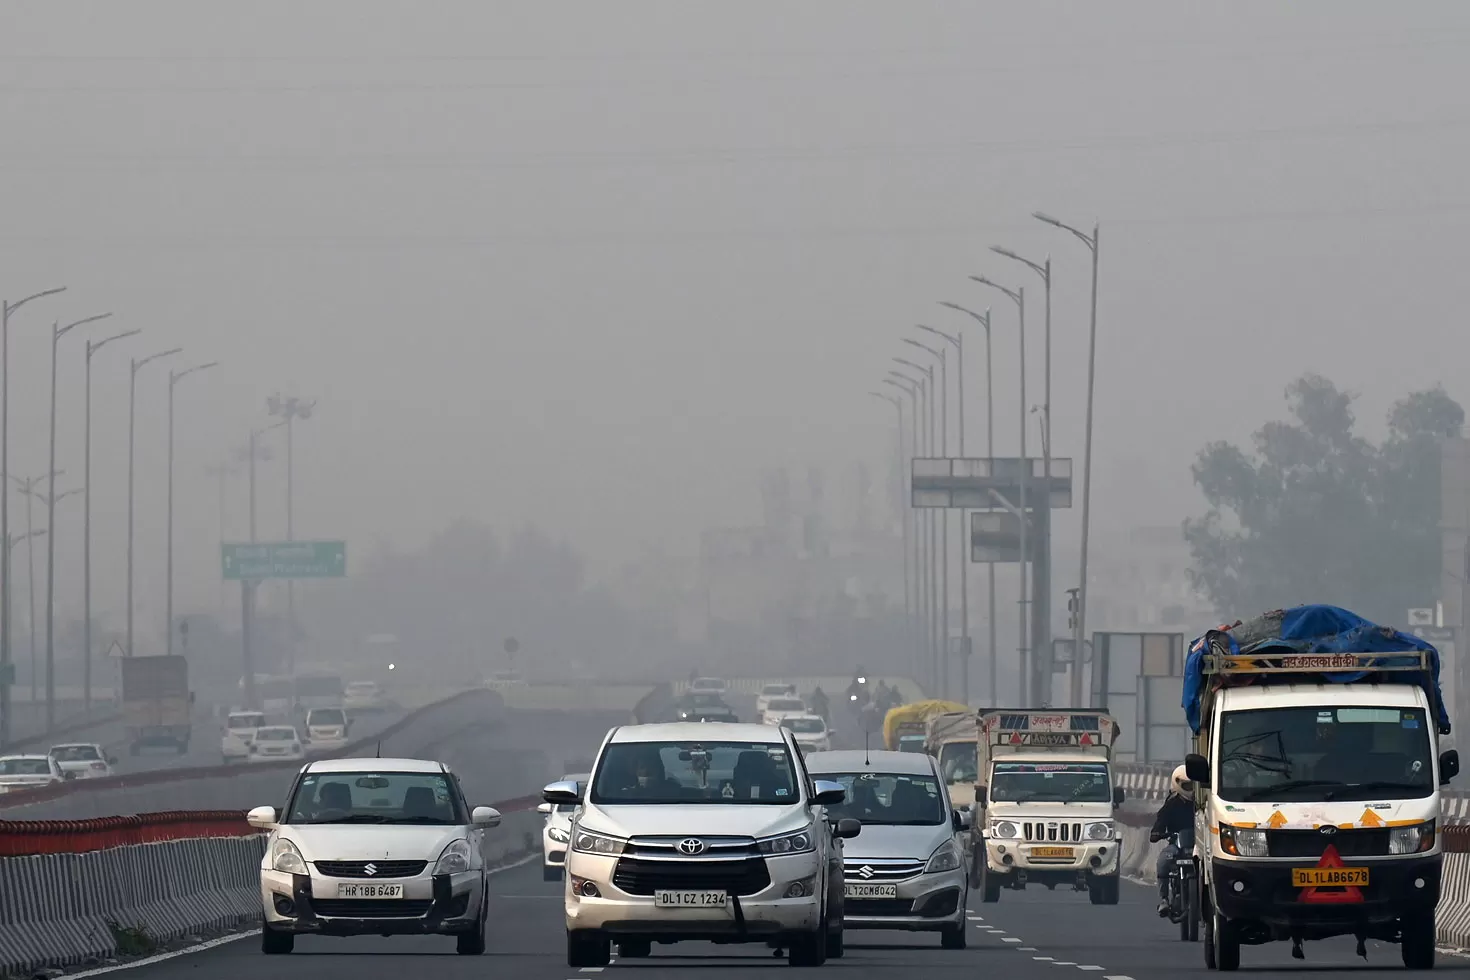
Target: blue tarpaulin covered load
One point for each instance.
(1312, 630)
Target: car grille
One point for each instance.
(877, 906)
(387, 908)
(1052, 830)
(642, 877)
(858, 871)
(380, 869)
(1311, 843)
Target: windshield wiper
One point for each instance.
(1269, 792)
(1374, 784)
(358, 818)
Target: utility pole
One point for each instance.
(132, 444)
(27, 486)
(174, 377)
(958, 340)
(93, 346)
(290, 409)
(944, 672)
(897, 403)
(253, 452)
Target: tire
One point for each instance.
(1191, 895)
(990, 888)
(1416, 941)
(471, 943)
(835, 940)
(1102, 891)
(275, 943)
(635, 948)
(549, 873)
(952, 937)
(1180, 890)
(809, 948)
(587, 948)
(1227, 945)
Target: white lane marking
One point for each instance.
(594, 969)
(1026, 949)
(1063, 963)
(222, 940)
(1089, 967)
(1044, 959)
(1117, 976)
(1010, 939)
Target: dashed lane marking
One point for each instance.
(1117, 976)
(1089, 968)
(1026, 949)
(1044, 959)
(1010, 939)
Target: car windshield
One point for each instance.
(894, 799)
(650, 773)
(911, 743)
(275, 735)
(957, 760)
(804, 726)
(76, 753)
(420, 798)
(326, 716)
(785, 704)
(1050, 782)
(1325, 753)
(24, 767)
(244, 722)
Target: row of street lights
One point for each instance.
(51, 497)
(926, 567)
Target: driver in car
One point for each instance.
(1176, 816)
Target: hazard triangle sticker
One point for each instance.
(1330, 894)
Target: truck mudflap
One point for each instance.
(1268, 902)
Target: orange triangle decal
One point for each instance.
(1370, 819)
(1277, 821)
(1336, 895)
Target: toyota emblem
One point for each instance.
(370, 869)
(866, 871)
(1328, 829)
(692, 845)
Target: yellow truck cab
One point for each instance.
(1317, 770)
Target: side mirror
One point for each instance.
(825, 792)
(1197, 768)
(112, 760)
(848, 828)
(543, 807)
(563, 792)
(1118, 796)
(262, 818)
(68, 774)
(485, 816)
(1449, 765)
(962, 819)
(981, 792)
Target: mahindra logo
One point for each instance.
(692, 845)
(370, 869)
(866, 871)
(1329, 830)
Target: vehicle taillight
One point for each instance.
(99, 765)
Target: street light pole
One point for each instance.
(290, 409)
(174, 377)
(911, 388)
(958, 340)
(27, 486)
(1019, 297)
(132, 433)
(943, 517)
(6, 660)
(931, 397)
(93, 346)
(897, 403)
(1079, 625)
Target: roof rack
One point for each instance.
(1288, 662)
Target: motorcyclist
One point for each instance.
(1176, 816)
(819, 703)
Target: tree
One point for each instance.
(1320, 514)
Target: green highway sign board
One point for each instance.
(284, 559)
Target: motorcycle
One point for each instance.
(1182, 889)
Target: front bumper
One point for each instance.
(431, 905)
(1098, 857)
(763, 915)
(925, 903)
(1262, 891)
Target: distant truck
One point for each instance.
(906, 727)
(952, 738)
(1046, 786)
(156, 702)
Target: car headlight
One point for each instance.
(591, 843)
(786, 843)
(944, 859)
(558, 835)
(1243, 841)
(455, 859)
(286, 858)
(1100, 831)
(1004, 830)
(1411, 840)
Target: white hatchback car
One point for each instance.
(702, 831)
(327, 729)
(811, 732)
(558, 831)
(276, 743)
(779, 709)
(22, 772)
(772, 691)
(374, 847)
(83, 760)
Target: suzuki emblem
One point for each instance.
(692, 845)
(370, 869)
(866, 871)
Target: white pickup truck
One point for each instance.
(1318, 773)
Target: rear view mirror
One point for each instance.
(1197, 769)
(826, 792)
(485, 816)
(262, 818)
(564, 793)
(848, 827)
(1118, 796)
(962, 819)
(1449, 765)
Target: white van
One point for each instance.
(326, 729)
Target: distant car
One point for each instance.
(690, 706)
(363, 697)
(724, 715)
(276, 743)
(23, 772)
(557, 833)
(503, 679)
(326, 729)
(773, 691)
(239, 734)
(812, 733)
(83, 760)
(708, 685)
(778, 709)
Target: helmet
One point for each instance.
(1183, 785)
